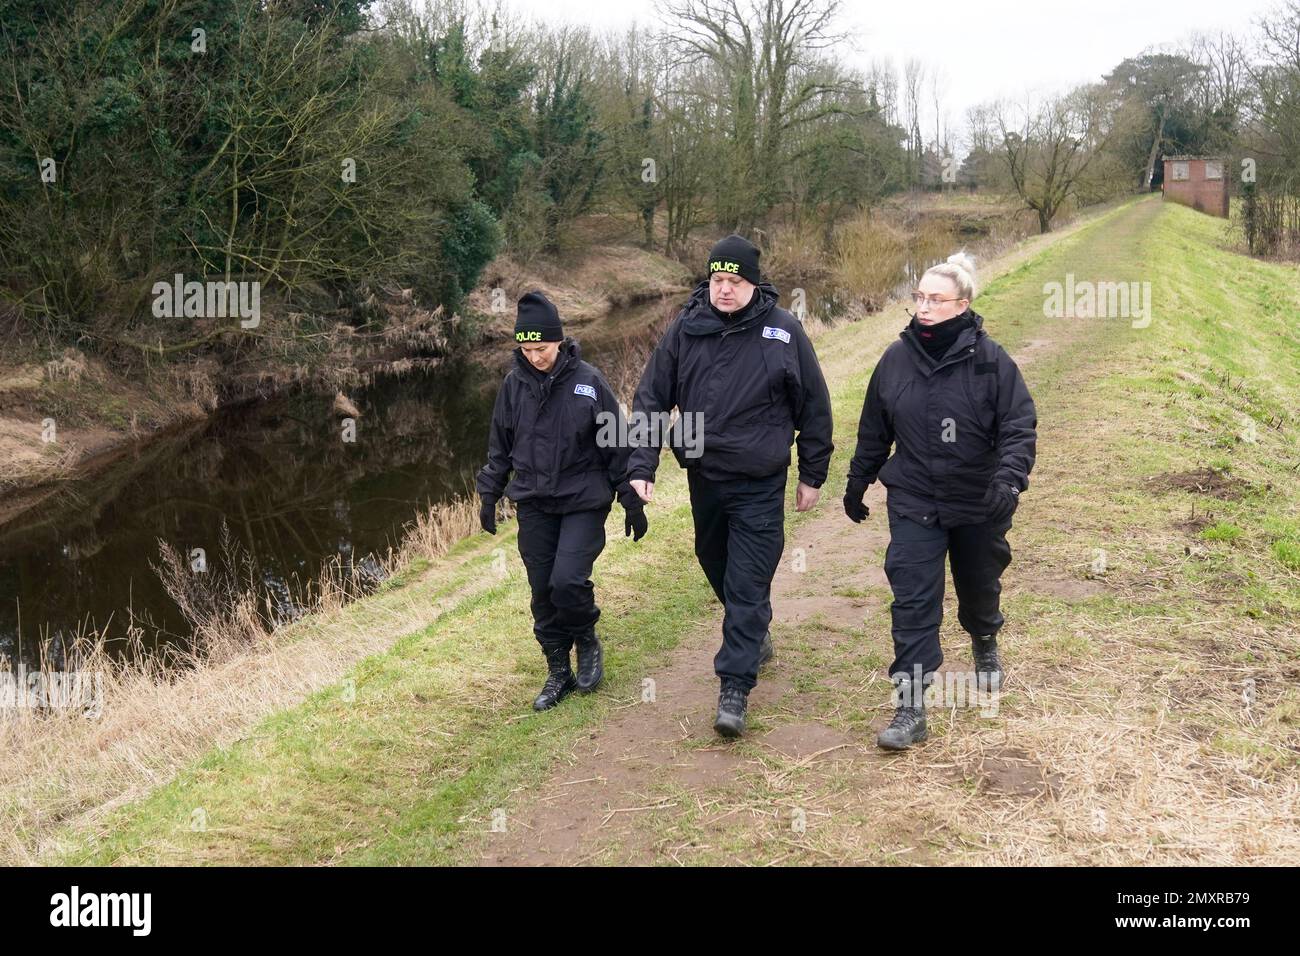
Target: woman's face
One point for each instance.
(933, 287)
(541, 354)
(729, 292)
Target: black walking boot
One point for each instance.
(560, 682)
(908, 726)
(989, 674)
(591, 661)
(733, 701)
(765, 649)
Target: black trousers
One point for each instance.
(914, 564)
(559, 551)
(739, 537)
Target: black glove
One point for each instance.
(853, 506)
(1001, 500)
(487, 514)
(635, 521)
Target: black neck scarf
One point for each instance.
(936, 339)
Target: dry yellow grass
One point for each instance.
(59, 767)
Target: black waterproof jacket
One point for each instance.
(753, 383)
(542, 446)
(955, 424)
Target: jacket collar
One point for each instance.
(700, 319)
(961, 348)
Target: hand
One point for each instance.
(645, 489)
(805, 497)
(487, 515)
(1001, 500)
(635, 521)
(853, 506)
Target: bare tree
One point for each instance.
(765, 54)
(913, 78)
(1221, 89)
(1050, 149)
(689, 119)
(1275, 120)
(882, 80)
(938, 88)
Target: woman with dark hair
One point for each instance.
(544, 454)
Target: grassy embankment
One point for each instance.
(1129, 691)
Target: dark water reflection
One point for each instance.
(292, 492)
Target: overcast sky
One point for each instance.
(985, 49)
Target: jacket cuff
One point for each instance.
(811, 482)
(628, 498)
(1013, 479)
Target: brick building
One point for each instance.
(1197, 181)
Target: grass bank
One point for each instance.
(1127, 679)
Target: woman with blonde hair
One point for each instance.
(955, 410)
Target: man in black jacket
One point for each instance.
(743, 375)
(549, 415)
(955, 409)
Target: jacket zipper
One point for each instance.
(555, 459)
(553, 471)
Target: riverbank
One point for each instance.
(75, 414)
(472, 665)
(65, 413)
(1122, 736)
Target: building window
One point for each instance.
(1214, 170)
(1180, 171)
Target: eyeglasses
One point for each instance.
(921, 299)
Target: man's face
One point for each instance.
(541, 354)
(729, 292)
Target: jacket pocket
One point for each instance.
(983, 405)
(971, 422)
(774, 371)
(575, 433)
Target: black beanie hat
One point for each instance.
(537, 320)
(737, 255)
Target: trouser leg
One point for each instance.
(539, 535)
(979, 554)
(914, 564)
(710, 517)
(755, 511)
(581, 539)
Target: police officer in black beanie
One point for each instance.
(546, 454)
(955, 409)
(743, 374)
